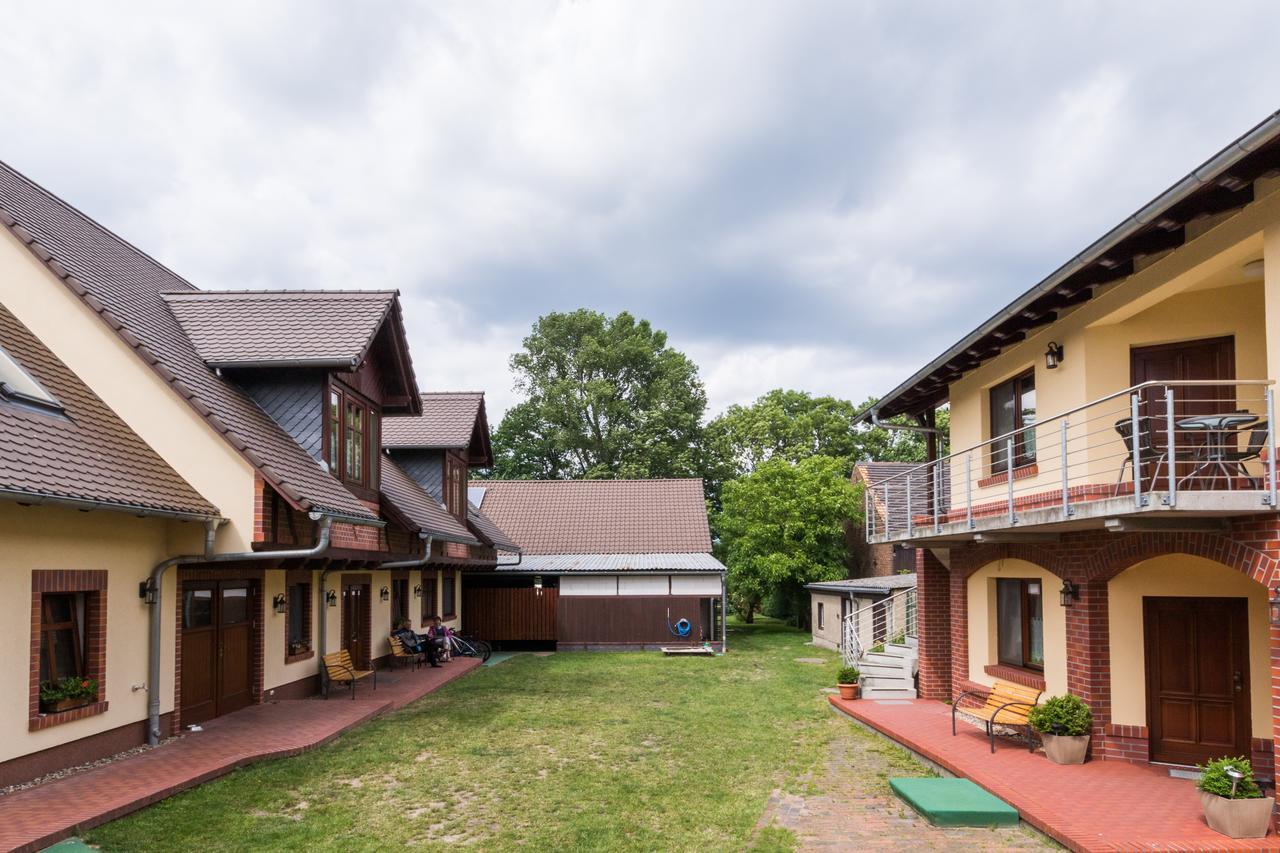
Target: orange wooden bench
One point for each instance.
(339, 667)
(1006, 704)
(400, 653)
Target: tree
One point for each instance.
(604, 398)
(783, 527)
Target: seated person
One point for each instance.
(438, 637)
(414, 643)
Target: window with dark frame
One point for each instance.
(1020, 622)
(62, 636)
(1013, 407)
(822, 616)
(298, 638)
(428, 595)
(335, 430)
(351, 438)
(448, 605)
(399, 599)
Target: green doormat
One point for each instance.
(954, 802)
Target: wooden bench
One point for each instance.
(1006, 704)
(339, 667)
(400, 653)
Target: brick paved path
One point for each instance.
(847, 805)
(1099, 805)
(37, 817)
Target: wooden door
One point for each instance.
(217, 648)
(355, 622)
(1197, 657)
(1211, 359)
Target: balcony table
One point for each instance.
(1212, 455)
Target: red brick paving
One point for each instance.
(1100, 805)
(37, 817)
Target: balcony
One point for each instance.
(1156, 456)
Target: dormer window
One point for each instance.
(18, 386)
(351, 435)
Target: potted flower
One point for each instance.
(1232, 801)
(1064, 723)
(847, 682)
(64, 694)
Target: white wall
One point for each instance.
(622, 584)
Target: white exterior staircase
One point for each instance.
(880, 640)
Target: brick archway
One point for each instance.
(1125, 553)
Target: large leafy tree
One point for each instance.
(782, 526)
(605, 397)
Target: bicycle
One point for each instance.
(472, 648)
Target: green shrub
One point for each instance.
(1062, 715)
(848, 675)
(1214, 779)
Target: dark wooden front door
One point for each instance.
(1197, 652)
(355, 622)
(217, 648)
(1213, 360)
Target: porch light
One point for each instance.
(147, 592)
(1070, 592)
(331, 598)
(1275, 605)
(279, 604)
(384, 594)
(1053, 356)
(417, 591)
(537, 581)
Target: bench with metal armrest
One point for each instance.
(400, 653)
(1005, 704)
(339, 668)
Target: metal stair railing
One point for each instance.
(890, 619)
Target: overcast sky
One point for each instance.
(803, 194)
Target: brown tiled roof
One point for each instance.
(600, 516)
(126, 287)
(258, 327)
(484, 527)
(448, 420)
(85, 454)
(418, 508)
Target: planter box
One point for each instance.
(64, 705)
(1237, 818)
(1065, 749)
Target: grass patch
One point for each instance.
(606, 751)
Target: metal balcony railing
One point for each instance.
(1148, 444)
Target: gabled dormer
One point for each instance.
(439, 447)
(327, 366)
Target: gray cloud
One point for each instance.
(818, 195)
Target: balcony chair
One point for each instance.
(1257, 441)
(1146, 449)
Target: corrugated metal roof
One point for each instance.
(885, 584)
(552, 564)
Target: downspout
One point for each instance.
(724, 613)
(875, 421)
(153, 590)
(519, 560)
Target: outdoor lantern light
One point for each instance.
(1275, 605)
(279, 603)
(1070, 592)
(1053, 356)
(537, 581)
(384, 594)
(417, 591)
(147, 592)
(331, 598)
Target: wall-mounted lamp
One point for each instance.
(537, 581)
(1070, 593)
(1053, 356)
(279, 603)
(384, 594)
(147, 592)
(331, 598)
(1275, 605)
(417, 591)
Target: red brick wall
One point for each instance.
(1089, 559)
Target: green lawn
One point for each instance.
(605, 751)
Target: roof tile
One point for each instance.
(448, 420)
(418, 507)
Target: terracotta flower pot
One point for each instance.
(1065, 749)
(848, 691)
(1237, 818)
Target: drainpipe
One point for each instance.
(157, 599)
(724, 614)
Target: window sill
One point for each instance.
(1016, 674)
(301, 656)
(1021, 473)
(46, 721)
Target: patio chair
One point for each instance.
(1146, 449)
(1257, 441)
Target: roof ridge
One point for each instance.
(71, 207)
(277, 293)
